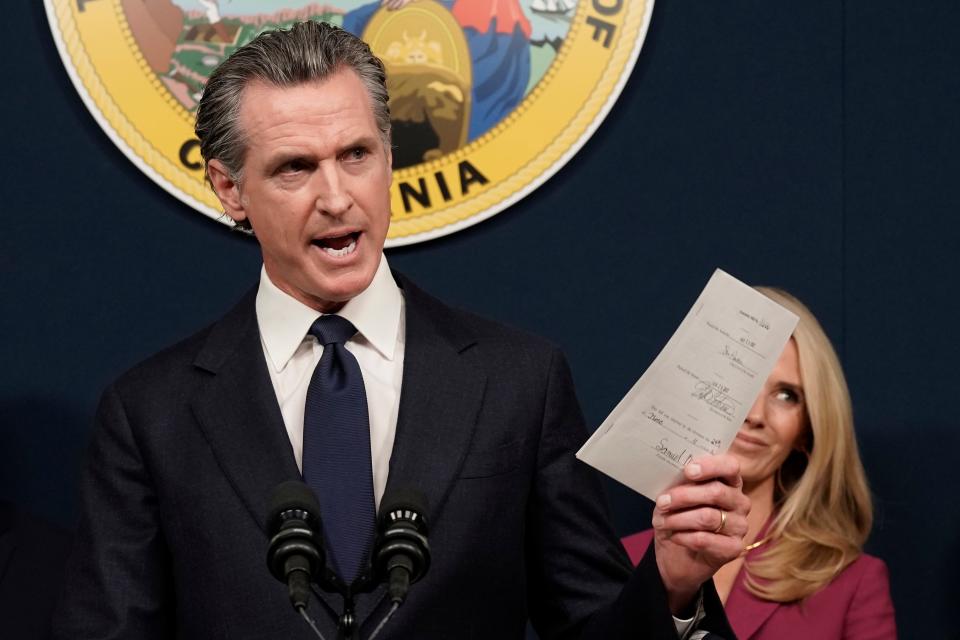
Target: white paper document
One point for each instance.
(692, 400)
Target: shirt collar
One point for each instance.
(284, 321)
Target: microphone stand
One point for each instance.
(386, 618)
(347, 624)
(347, 628)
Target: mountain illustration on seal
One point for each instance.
(455, 68)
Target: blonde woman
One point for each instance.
(804, 575)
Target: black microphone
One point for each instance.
(295, 556)
(401, 553)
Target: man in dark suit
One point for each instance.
(294, 129)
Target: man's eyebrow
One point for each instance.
(285, 156)
(280, 158)
(365, 141)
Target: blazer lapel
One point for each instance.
(238, 413)
(745, 611)
(440, 400)
(443, 386)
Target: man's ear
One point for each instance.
(227, 190)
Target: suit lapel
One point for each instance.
(440, 400)
(443, 386)
(238, 413)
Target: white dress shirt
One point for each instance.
(292, 355)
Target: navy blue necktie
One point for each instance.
(336, 448)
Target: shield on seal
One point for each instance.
(428, 77)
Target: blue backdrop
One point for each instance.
(812, 145)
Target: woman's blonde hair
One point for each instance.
(822, 501)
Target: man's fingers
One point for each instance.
(723, 548)
(724, 467)
(710, 494)
(710, 520)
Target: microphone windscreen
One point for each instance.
(292, 495)
(406, 504)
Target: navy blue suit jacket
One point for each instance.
(188, 446)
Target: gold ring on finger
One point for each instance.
(723, 521)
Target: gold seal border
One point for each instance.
(110, 117)
(543, 163)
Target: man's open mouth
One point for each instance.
(339, 246)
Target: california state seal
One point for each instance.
(488, 98)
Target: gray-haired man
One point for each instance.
(294, 128)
